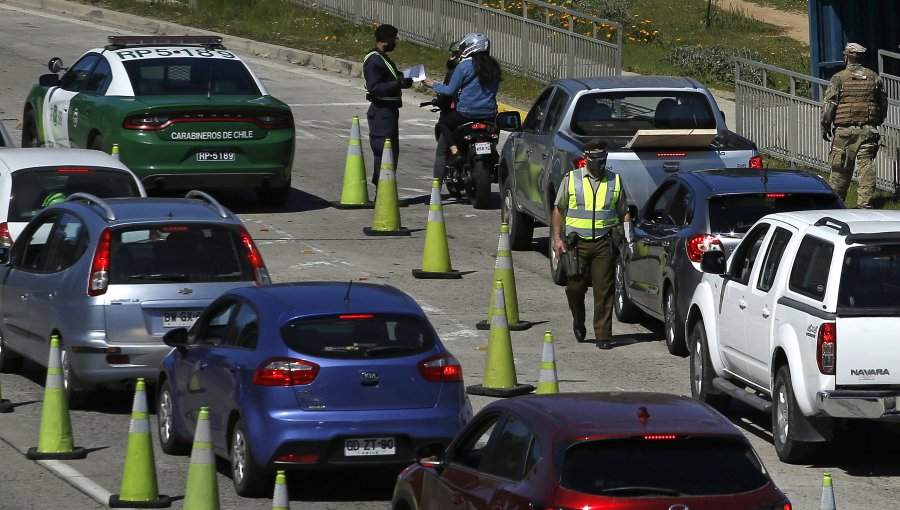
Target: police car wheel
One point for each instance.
(29, 131)
(98, 144)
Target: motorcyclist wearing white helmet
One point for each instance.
(474, 82)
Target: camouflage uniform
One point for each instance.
(855, 104)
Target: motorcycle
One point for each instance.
(477, 142)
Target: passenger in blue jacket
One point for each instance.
(474, 82)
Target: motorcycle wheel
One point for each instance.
(481, 199)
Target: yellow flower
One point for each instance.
(334, 38)
(325, 38)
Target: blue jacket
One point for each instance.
(476, 101)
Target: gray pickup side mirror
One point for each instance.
(714, 262)
(509, 121)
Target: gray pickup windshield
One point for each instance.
(623, 113)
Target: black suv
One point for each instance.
(693, 212)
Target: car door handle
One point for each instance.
(766, 313)
(529, 152)
(742, 304)
(457, 498)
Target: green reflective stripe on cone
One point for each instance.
(202, 492)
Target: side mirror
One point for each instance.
(177, 337)
(430, 455)
(713, 262)
(55, 65)
(49, 80)
(509, 121)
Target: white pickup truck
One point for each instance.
(805, 315)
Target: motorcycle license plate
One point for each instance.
(483, 148)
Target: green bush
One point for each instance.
(710, 64)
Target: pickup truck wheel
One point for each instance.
(784, 434)
(702, 372)
(556, 269)
(521, 226)
(482, 195)
(674, 329)
(626, 311)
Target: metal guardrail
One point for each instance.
(785, 123)
(522, 46)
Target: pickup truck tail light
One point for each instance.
(698, 244)
(826, 347)
(756, 162)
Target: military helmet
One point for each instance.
(53, 198)
(473, 43)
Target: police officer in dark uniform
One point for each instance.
(591, 203)
(383, 83)
(855, 104)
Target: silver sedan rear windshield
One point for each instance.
(623, 113)
(636, 467)
(357, 336)
(190, 76)
(177, 253)
(36, 188)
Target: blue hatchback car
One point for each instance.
(308, 376)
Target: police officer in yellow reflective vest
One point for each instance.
(855, 104)
(592, 200)
(383, 84)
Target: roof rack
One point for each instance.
(209, 199)
(91, 199)
(827, 221)
(116, 42)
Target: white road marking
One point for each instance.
(78, 480)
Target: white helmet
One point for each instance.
(473, 43)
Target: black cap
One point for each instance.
(385, 32)
(595, 148)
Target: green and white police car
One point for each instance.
(184, 112)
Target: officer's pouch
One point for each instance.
(369, 96)
(571, 262)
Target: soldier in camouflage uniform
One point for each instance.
(855, 105)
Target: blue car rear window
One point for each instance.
(355, 338)
(176, 76)
(686, 466)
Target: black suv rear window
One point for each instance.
(174, 76)
(871, 278)
(737, 213)
(36, 188)
(195, 253)
(358, 336)
(638, 467)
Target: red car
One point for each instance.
(622, 450)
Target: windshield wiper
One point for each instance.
(640, 490)
(159, 276)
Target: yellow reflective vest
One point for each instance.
(587, 216)
(394, 71)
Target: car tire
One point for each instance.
(169, 440)
(521, 226)
(626, 311)
(273, 197)
(76, 396)
(9, 361)
(557, 273)
(784, 409)
(29, 131)
(674, 329)
(249, 479)
(98, 144)
(702, 372)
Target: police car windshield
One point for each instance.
(187, 76)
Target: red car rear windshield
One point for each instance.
(638, 467)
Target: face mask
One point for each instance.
(596, 165)
(390, 46)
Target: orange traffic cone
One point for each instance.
(436, 255)
(386, 221)
(55, 439)
(355, 193)
(499, 367)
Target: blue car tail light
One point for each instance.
(441, 368)
(285, 372)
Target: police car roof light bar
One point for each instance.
(126, 41)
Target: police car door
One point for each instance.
(56, 103)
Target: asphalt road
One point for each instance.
(308, 240)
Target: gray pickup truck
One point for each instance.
(653, 125)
